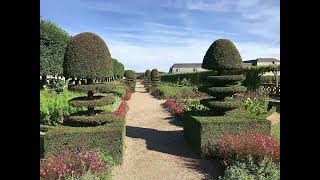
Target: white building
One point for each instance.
(262, 62)
(186, 67)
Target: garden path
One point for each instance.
(155, 146)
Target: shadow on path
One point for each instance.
(172, 142)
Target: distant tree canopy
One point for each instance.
(118, 68)
(53, 43)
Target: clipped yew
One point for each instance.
(130, 79)
(222, 56)
(155, 77)
(87, 56)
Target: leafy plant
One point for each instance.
(193, 105)
(185, 82)
(71, 163)
(56, 85)
(54, 107)
(249, 170)
(233, 147)
(256, 106)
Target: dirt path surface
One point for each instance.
(155, 146)
(274, 118)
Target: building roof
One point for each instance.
(187, 65)
(262, 60)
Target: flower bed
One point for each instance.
(71, 163)
(121, 111)
(127, 97)
(173, 107)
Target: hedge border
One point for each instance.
(202, 132)
(109, 138)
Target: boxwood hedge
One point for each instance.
(195, 78)
(202, 131)
(108, 138)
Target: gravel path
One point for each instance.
(155, 146)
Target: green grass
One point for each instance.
(275, 131)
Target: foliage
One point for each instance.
(56, 85)
(275, 131)
(53, 43)
(195, 78)
(87, 56)
(118, 89)
(129, 74)
(168, 91)
(248, 170)
(84, 101)
(108, 138)
(221, 55)
(118, 68)
(202, 130)
(82, 119)
(75, 163)
(54, 107)
(147, 74)
(174, 107)
(256, 106)
(127, 97)
(122, 110)
(233, 147)
(254, 75)
(185, 82)
(193, 105)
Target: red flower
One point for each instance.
(127, 96)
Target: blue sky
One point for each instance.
(147, 34)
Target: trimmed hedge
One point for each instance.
(96, 101)
(195, 78)
(118, 68)
(202, 132)
(109, 138)
(229, 79)
(80, 119)
(118, 89)
(87, 56)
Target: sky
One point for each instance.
(147, 34)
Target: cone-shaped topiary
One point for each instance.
(155, 77)
(222, 55)
(130, 79)
(87, 56)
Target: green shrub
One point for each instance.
(195, 78)
(248, 170)
(185, 82)
(96, 101)
(202, 131)
(256, 106)
(81, 119)
(54, 107)
(118, 89)
(108, 138)
(56, 85)
(53, 43)
(147, 74)
(168, 91)
(221, 55)
(87, 56)
(155, 77)
(118, 68)
(129, 74)
(275, 131)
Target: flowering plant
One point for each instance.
(69, 163)
(174, 107)
(127, 97)
(240, 146)
(121, 111)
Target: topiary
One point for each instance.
(147, 78)
(130, 79)
(87, 56)
(222, 55)
(155, 77)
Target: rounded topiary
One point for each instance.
(222, 55)
(130, 79)
(87, 56)
(147, 74)
(155, 77)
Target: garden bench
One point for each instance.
(275, 103)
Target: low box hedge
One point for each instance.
(202, 132)
(108, 138)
